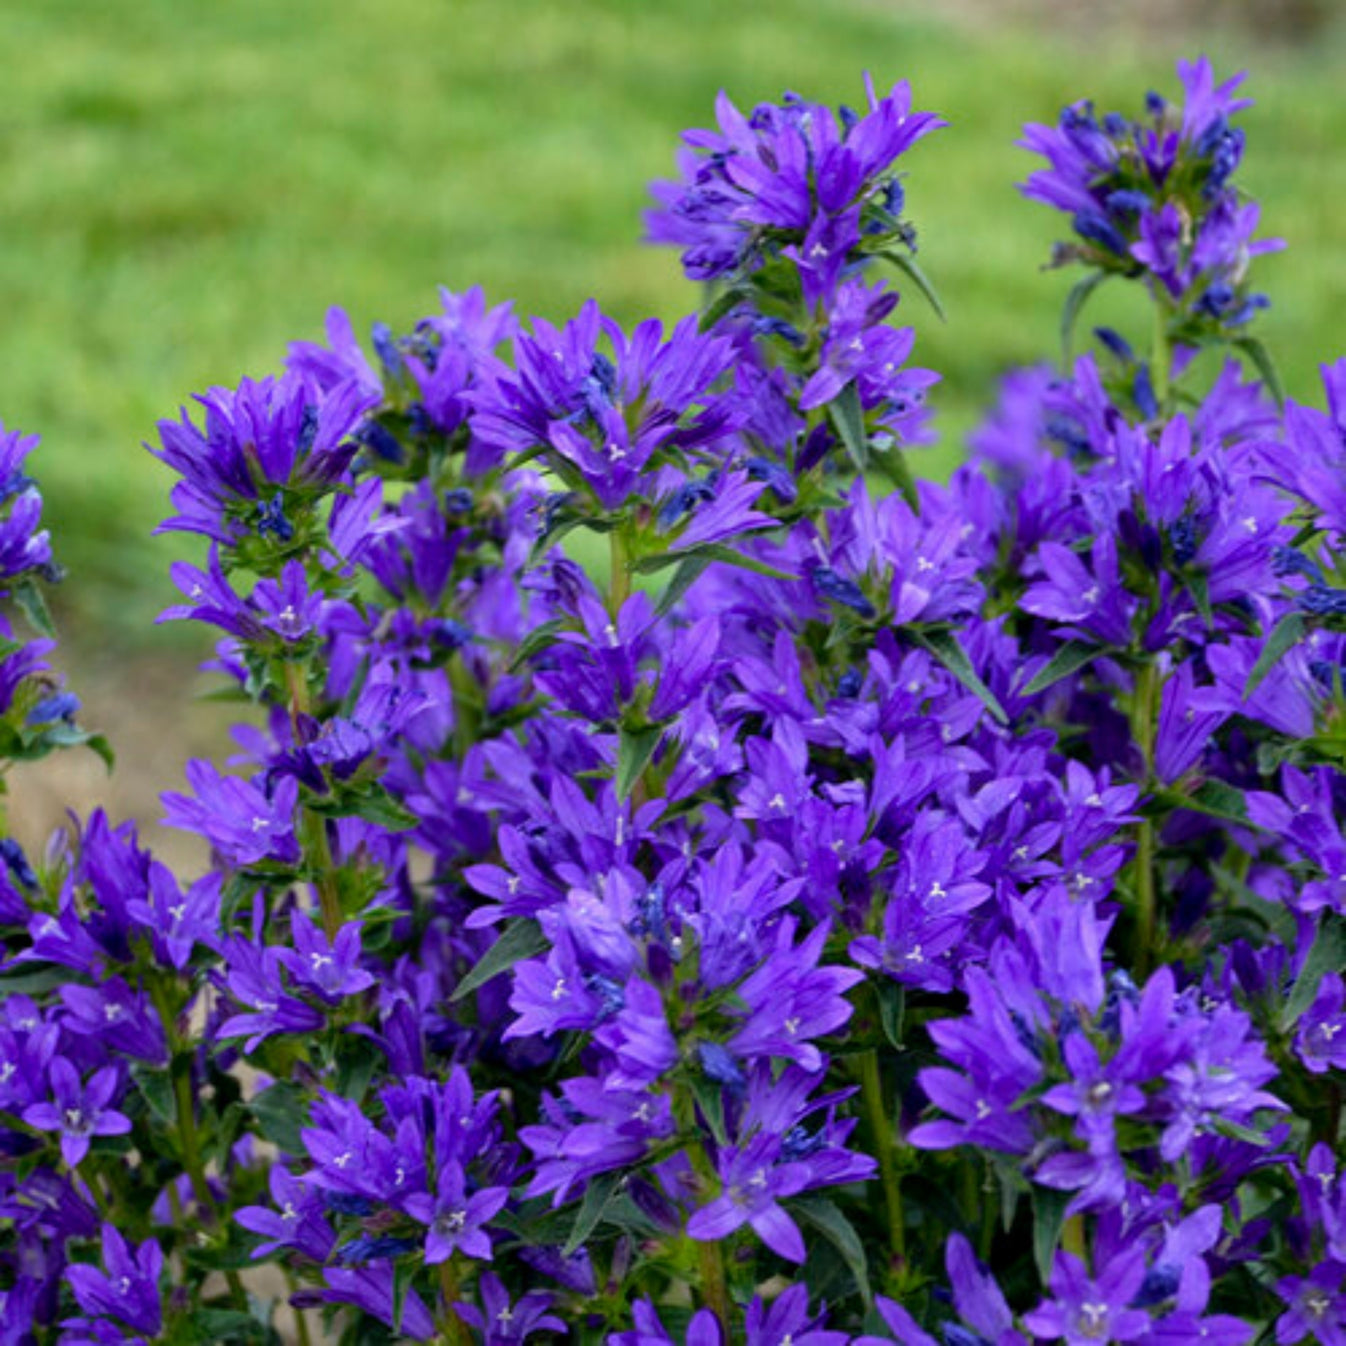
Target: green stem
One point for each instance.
(714, 1289)
(1160, 356)
(312, 826)
(619, 582)
(189, 1140)
(1072, 1236)
(1143, 723)
(453, 1331)
(882, 1132)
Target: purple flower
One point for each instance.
(794, 171)
(329, 969)
(261, 443)
(297, 1220)
(254, 979)
(1320, 1042)
(502, 1323)
(236, 816)
(179, 921)
(373, 1288)
(606, 424)
(1085, 1311)
(454, 1219)
(1316, 1306)
(128, 1287)
(79, 1110)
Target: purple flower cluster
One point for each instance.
(833, 897)
(1155, 198)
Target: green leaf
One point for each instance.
(1278, 917)
(1261, 359)
(156, 1088)
(635, 747)
(828, 1220)
(709, 1097)
(892, 997)
(720, 307)
(34, 607)
(892, 462)
(910, 268)
(1286, 633)
(381, 809)
(684, 577)
(1074, 306)
(1049, 1215)
(521, 939)
(357, 1061)
(1070, 658)
(1214, 799)
(1328, 954)
(1199, 587)
(707, 552)
(230, 1325)
(539, 638)
(598, 1196)
(404, 1272)
(35, 982)
(280, 1110)
(848, 417)
(945, 647)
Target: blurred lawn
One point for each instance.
(187, 186)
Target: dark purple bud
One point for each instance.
(1142, 389)
(719, 1064)
(271, 519)
(1322, 601)
(1182, 538)
(1116, 343)
(59, 706)
(1096, 228)
(383, 442)
(1126, 202)
(381, 338)
(841, 590)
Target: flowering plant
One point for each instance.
(843, 916)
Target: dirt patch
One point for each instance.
(151, 710)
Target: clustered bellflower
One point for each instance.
(839, 914)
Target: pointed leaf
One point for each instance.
(521, 939)
(1074, 306)
(708, 552)
(1261, 359)
(1199, 587)
(34, 607)
(598, 1196)
(684, 577)
(892, 997)
(539, 638)
(945, 647)
(156, 1088)
(1049, 1215)
(827, 1219)
(1286, 633)
(721, 307)
(848, 418)
(892, 462)
(910, 268)
(1070, 658)
(1328, 954)
(280, 1110)
(1215, 799)
(635, 747)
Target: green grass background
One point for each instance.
(186, 186)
